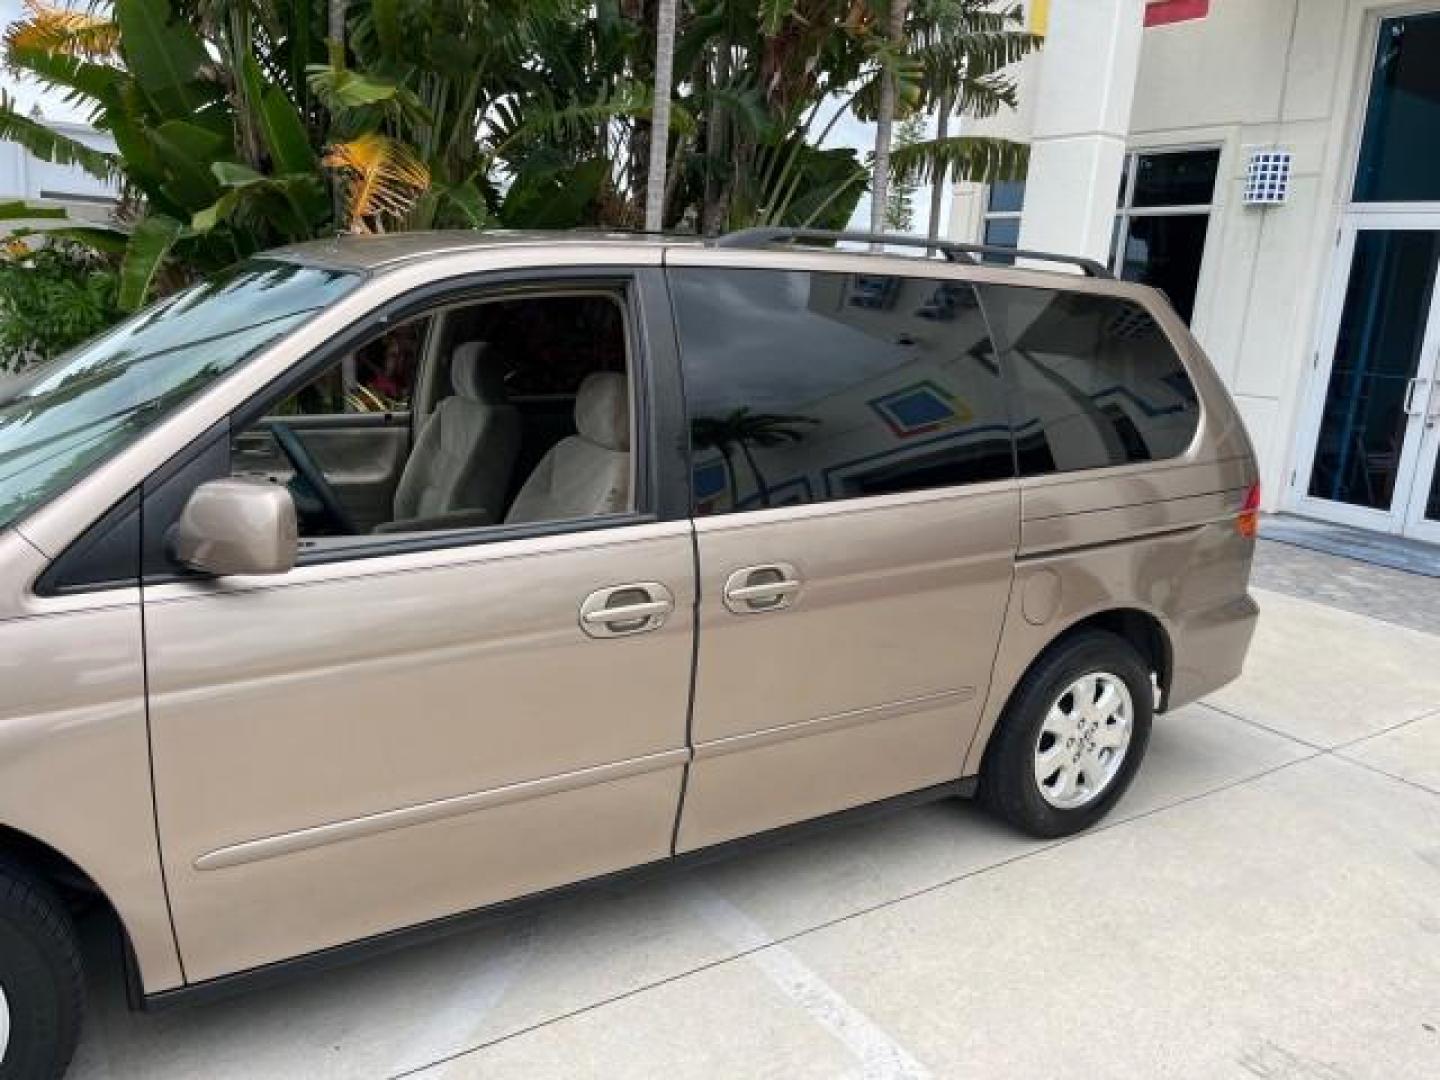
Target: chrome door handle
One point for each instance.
(621, 610)
(769, 587)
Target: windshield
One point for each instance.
(95, 401)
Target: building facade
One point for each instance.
(1274, 165)
(25, 178)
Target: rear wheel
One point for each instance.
(41, 984)
(1072, 736)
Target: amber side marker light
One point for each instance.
(1247, 522)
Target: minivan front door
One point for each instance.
(856, 527)
(420, 725)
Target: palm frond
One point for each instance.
(49, 145)
(961, 157)
(63, 31)
(382, 178)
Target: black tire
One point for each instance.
(41, 976)
(1008, 785)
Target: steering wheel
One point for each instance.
(313, 478)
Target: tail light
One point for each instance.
(1247, 522)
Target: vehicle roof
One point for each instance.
(376, 251)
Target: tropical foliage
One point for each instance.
(243, 124)
(51, 299)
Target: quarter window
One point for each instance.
(804, 387)
(1097, 382)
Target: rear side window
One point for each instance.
(804, 387)
(1096, 381)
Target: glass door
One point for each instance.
(1376, 409)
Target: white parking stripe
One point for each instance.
(880, 1056)
(459, 1022)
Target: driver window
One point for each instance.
(525, 418)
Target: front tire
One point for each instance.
(1071, 738)
(41, 980)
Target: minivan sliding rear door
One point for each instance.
(856, 523)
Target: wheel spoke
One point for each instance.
(1050, 760)
(1113, 735)
(1059, 723)
(1094, 770)
(1064, 787)
(1109, 702)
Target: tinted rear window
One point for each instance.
(1096, 381)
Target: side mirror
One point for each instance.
(237, 527)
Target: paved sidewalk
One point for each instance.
(1265, 902)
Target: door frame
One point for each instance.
(1412, 465)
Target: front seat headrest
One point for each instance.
(602, 410)
(476, 375)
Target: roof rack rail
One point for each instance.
(955, 252)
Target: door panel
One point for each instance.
(1376, 371)
(361, 746)
(361, 455)
(869, 681)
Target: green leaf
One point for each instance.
(386, 14)
(184, 151)
(19, 211)
(49, 145)
(202, 221)
(340, 88)
(233, 174)
(165, 55)
(149, 244)
(280, 123)
(961, 157)
(82, 79)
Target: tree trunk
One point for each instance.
(660, 116)
(335, 32)
(716, 196)
(762, 486)
(885, 124)
(942, 174)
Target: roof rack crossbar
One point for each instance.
(764, 236)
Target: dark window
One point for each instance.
(805, 387)
(1166, 252)
(1183, 178)
(1398, 162)
(1097, 383)
(1159, 236)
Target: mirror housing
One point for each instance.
(237, 526)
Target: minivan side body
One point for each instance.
(258, 768)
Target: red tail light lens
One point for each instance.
(1247, 522)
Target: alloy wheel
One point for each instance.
(1083, 740)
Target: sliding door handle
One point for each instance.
(769, 587)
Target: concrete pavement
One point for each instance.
(1265, 902)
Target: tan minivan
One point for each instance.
(378, 583)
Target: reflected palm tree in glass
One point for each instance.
(747, 431)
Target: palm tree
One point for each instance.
(747, 431)
(885, 120)
(660, 116)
